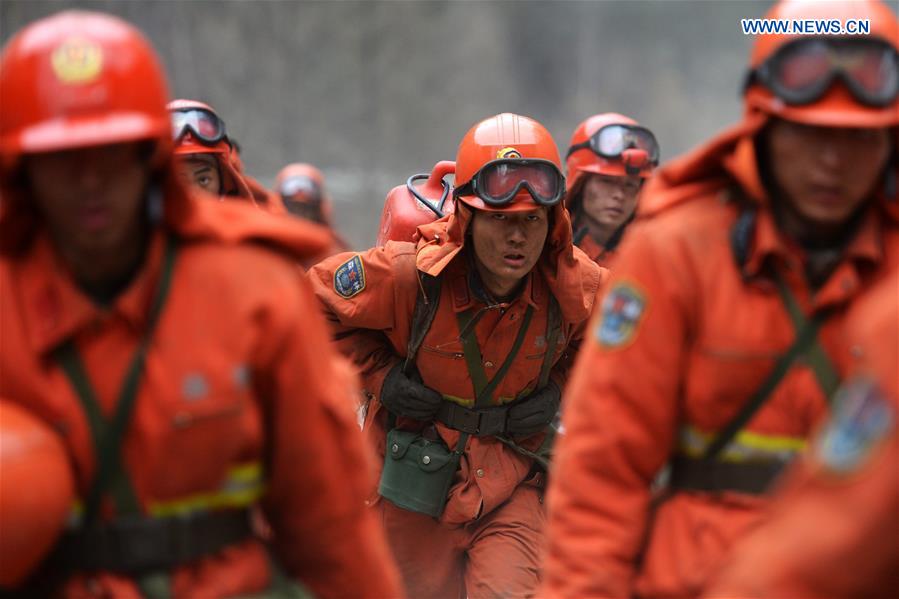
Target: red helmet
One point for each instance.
(37, 490)
(300, 172)
(835, 104)
(78, 79)
(583, 158)
(527, 158)
(198, 129)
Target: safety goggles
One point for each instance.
(499, 181)
(803, 70)
(612, 141)
(293, 186)
(205, 126)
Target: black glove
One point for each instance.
(533, 413)
(407, 396)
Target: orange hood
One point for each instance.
(184, 213)
(571, 276)
(711, 168)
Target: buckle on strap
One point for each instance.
(484, 422)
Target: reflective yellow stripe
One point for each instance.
(745, 446)
(468, 403)
(243, 487)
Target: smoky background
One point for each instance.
(374, 91)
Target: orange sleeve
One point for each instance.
(619, 417)
(366, 326)
(319, 468)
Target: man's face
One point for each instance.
(508, 244)
(201, 170)
(90, 198)
(608, 200)
(825, 173)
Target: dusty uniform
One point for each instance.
(486, 543)
(833, 531)
(691, 324)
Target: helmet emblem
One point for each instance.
(77, 60)
(508, 153)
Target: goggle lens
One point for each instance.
(802, 71)
(611, 141)
(205, 125)
(505, 178)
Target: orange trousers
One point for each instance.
(497, 555)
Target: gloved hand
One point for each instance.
(407, 396)
(533, 413)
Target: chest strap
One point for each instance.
(708, 472)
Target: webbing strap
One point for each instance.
(553, 328)
(474, 361)
(484, 390)
(815, 356)
(106, 434)
(806, 337)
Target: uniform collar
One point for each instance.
(56, 310)
(464, 285)
(866, 246)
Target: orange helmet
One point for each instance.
(828, 80)
(78, 79)
(198, 129)
(638, 155)
(508, 162)
(300, 183)
(37, 490)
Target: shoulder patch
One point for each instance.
(349, 278)
(863, 417)
(620, 316)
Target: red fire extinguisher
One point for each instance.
(407, 206)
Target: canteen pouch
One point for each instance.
(418, 472)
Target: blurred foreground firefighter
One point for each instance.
(718, 344)
(301, 190)
(171, 345)
(834, 530)
(464, 340)
(609, 159)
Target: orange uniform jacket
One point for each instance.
(596, 252)
(835, 530)
(239, 372)
(685, 337)
(373, 327)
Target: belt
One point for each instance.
(695, 474)
(137, 545)
(482, 422)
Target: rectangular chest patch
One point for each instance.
(349, 278)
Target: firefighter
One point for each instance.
(301, 190)
(171, 343)
(832, 532)
(205, 152)
(464, 340)
(719, 340)
(609, 159)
